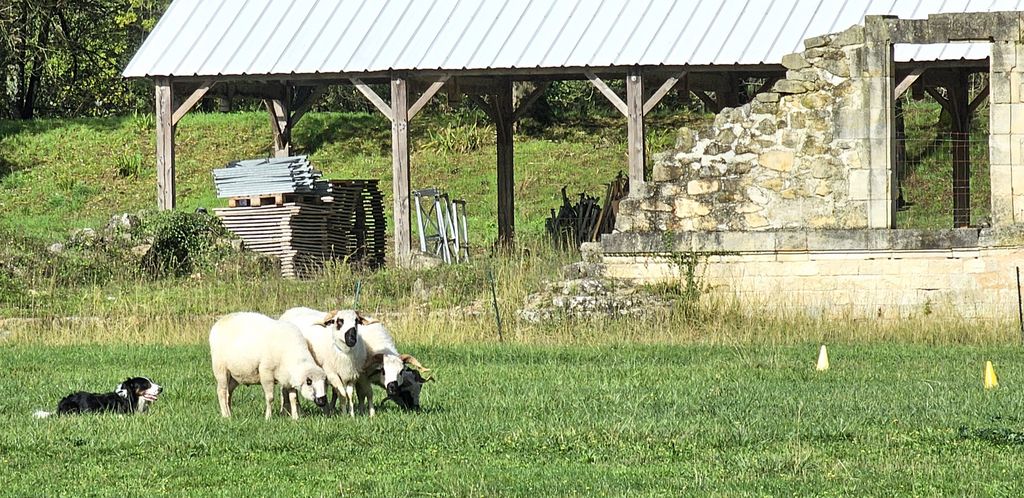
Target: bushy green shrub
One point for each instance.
(184, 243)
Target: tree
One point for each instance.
(64, 57)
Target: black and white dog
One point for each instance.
(129, 396)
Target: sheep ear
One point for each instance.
(328, 318)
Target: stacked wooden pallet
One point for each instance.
(346, 225)
(295, 233)
(358, 228)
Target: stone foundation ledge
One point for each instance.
(632, 243)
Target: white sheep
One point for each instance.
(250, 348)
(335, 340)
(387, 368)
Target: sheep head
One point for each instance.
(402, 376)
(312, 384)
(344, 327)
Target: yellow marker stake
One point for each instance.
(991, 382)
(822, 359)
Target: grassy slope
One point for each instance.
(619, 420)
(57, 174)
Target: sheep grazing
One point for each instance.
(334, 339)
(401, 375)
(250, 348)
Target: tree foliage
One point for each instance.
(65, 57)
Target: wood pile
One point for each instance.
(358, 227)
(585, 221)
(303, 231)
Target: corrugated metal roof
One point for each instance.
(285, 37)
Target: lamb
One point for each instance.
(250, 348)
(334, 339)
(389, 370)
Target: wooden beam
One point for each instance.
(191, 101)
(400, 169)
(978, 100)
(908, 81)
(373, 97)
(505, 113)
(305, 106)
(635, 130)
(943, 101)
(427, 95)
(959, 103)
(529, 100)
(662, 91)
(278, 112)
(484, 105)
(607, 92)
(164, 144)
(709, 102)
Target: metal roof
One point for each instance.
(294, 37)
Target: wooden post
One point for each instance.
(400, 168)
(635, 128)
(960, 111)
(504, 120)
(164, 143)
(279, 125)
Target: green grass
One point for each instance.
(515, 420)
(56, 174)
(928, 185)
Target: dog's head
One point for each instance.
(139, 389)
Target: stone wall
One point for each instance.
(843, 273)
(781, 161)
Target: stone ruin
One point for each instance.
(791, 158)
(792, 198)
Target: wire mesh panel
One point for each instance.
(942, 176)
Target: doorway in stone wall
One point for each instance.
(942, 156)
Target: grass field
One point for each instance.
(512, 420)
(704, 398)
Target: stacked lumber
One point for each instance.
(586, 220)
(295, 233)
(347, 225)
(358, 230)
(281, 207)
(274, 175)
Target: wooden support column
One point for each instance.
(164, 143)
(635, 128)
(504, 118)
(400, 168)
(278, 111)
(960, 111)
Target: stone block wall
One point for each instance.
(888, 274)
(795, 157)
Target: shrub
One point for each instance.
(184, 243)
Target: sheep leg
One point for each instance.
(285, 392)
(364, 393)
(293, 401)
(336, 387)
(225, 385)
(350, 395)
(268, 393)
